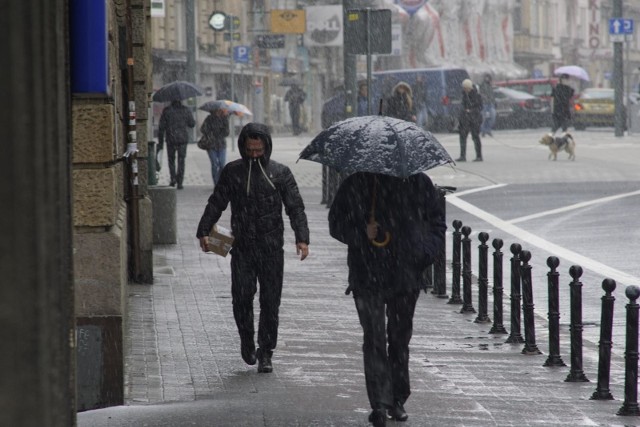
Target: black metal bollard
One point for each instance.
(630, 405)
(606, 327)
(467, 304)
(483, 280)
(530, 347)
(455, 264)
(498, 327)
(427, 278)
(514, 336)
(576, 374)
(554, 358)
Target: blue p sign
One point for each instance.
(241, 54)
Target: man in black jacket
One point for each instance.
(394, 229)
(174, 121)
(257, 187)
(470, 120)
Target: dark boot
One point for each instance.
(378, 417)
(463, 151)
(264, 362)
(398, 413)
(248, 349)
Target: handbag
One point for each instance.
(204, 143)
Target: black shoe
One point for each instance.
(378, 417)
(398, 413)
(248, 350)
(477, 159)
(172, 183)
(461, 159)
(180, 187)
(264, 363)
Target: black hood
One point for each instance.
(260, 130)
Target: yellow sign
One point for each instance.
(288, 21)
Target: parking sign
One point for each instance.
(241, 54)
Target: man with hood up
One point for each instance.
(257, 187)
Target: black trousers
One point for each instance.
(294, 111)
(475, 135)
(248, 267)
(181, 151)
(560, 122)
(386, 352)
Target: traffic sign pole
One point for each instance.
(618, 68)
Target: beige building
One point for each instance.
(551, 33)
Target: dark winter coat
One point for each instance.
(295, 96)
(256, 193)
(174, 121)
(471, 114)
(562, 95)
(409, 209)
(215, 129)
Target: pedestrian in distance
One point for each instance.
(420, 98)
(561, 96)
(257, 187)
(488, 106)
(215, 130)
(295, 96)
(400, 103)
(363, 99)
(394, 228)
(470, 120)
(174, 123)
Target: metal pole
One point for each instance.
(498, 327)
(483, 279)
(368, 60)
(576, 374)
(191, 50)
(232, 27)
(553, 276)
(630, 405)
(618, 78)
(530, 347)
(350, 83)
(606, 328)
(456, 264)
(515, 337)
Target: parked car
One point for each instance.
(537, 87)
(519, 110)
(595, 107)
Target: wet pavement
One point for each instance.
(183, 364)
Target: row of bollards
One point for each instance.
(521, 301)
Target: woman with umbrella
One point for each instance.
(561, 96)
(215, 130)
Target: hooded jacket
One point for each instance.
(409, 209)
(256, 189)
(400, 105)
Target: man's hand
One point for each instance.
(302, 249)
(204, 244)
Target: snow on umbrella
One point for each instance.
(177, 91)
(377, 144)
(573, 71)
(229, 106)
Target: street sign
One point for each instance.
(217, 21)
(227, 36)
(356, 31)
(241, 54)
(620, 26)
(270, 41)
(233, 23)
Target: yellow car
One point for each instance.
(595, 107)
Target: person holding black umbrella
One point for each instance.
(174, 121)
(394, 228)
(295, 96)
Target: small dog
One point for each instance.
(558, 143)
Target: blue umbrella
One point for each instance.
(377, 144)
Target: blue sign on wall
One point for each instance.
(241, 54)
(89, 48)
(620, 26)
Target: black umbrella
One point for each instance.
(177, 91)
(377, 144)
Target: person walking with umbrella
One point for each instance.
(470, 120)
(394, 228)
(488, 105)
(561, 96)
(174, 121)
(215, 130)
(257, 187)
